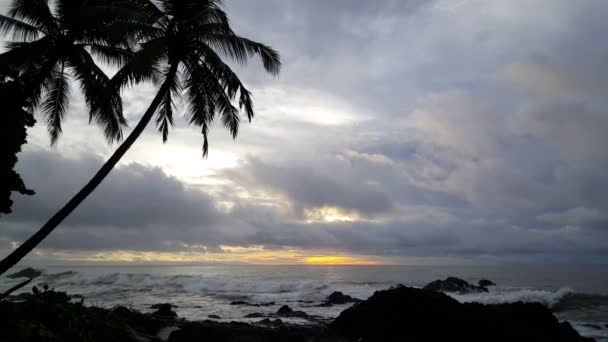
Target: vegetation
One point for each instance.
(13, 134)
(177, 44)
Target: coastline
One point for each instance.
(396, 314)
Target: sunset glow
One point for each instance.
(338, 260)
(255, 255)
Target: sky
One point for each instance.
(398, 132)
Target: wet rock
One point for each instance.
(210, 331)
(453, 284)
(286, 311)
(338, 297)
(50, 317)
(255, 315)
(485, 283)
(164, 310)
(271, 322)
(409, 314)
(161, 305)
(25, 273)
(214, 316)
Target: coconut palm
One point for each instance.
(182, 43)
(51, 45)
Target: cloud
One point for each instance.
(573, 216)
(472, 130)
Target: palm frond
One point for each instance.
(56, 101)
(109, 54)
(18, 30)
(148, 12)
(205, 132)
(34, 12)
(21, 55)
(171, 94)
(241, 49)
(143, 65)
(227, 77)
(205, 82)
(202, 12)
(105, 104)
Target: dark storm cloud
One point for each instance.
(308, 187)
(471, 129)
(137, 207)
(134, 195)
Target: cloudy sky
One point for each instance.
(399, 131)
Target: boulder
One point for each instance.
(255, 315)
(453, 284)
(214, 316)
(271, 322)
(338, 297)
(410, 314)
(164, 310)
(286, 311)
(485, 283)
(25, 273)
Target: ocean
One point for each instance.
(576, 294)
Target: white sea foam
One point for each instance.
(510, 295)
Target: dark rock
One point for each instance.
(271, 322)
(145, 323)
(164, 310)
(485, 283)
(409, 314)
(214, 316)
(162, 305)
(255, 315)
(338, 297)
(210, 331)
(50, 317)
(19, 298)
(25, 273)
(286, 311)
(453, 284)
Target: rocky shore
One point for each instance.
(397, 314)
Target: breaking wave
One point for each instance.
(189, 283)
(563, 299)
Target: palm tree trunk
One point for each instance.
(54, 221)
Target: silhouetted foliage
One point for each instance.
(50, 45)
(181, 44)
(13, 134)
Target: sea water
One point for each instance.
(576, 294)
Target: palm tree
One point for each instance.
(49, 47)
(181, 42)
